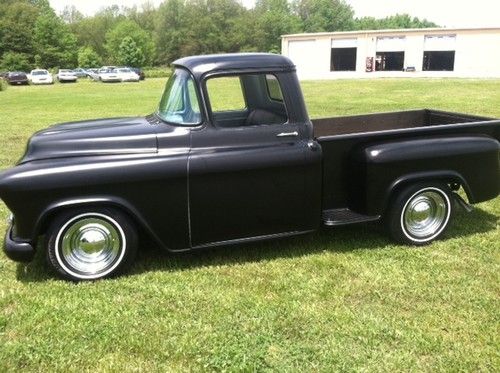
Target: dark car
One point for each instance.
(139, 72)
(17, 78)
(205, 171)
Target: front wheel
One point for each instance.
(420, 213)
(91, 244)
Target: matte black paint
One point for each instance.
(202, 186)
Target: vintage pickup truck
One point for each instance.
(231, 156)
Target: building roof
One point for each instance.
(438, 30)
(200, 65)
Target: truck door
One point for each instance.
(247, 167)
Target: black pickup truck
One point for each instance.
(231, 156)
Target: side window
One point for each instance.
(226, 94)
(273, 88)
(246, 100)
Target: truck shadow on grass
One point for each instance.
(370, 236)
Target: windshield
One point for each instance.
(179, 104)
(39, 72)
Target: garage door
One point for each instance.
(344, 43)
(440, 42)
(302, 52)
(391, 44)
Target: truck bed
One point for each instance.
(340, 136)
(388, 121)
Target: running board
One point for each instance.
(345, 216)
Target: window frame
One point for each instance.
(208, 104)
(199, 97)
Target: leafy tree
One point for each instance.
(145, 16)
(168, 33)
(273, 19)
(141, 38)
(87, 57)
(13, 61)
(129, 53)
(397, 21)
(71, 14)
(325, 15)
(55, 44)
(16, 33)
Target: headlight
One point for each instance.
(10, 219)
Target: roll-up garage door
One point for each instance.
(302, 53)
(440, 42)
(439, 53)
(344, 43)
(391, 44)
(343, 54)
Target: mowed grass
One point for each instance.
(344, 299)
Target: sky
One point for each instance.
(446, 13)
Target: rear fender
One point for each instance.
(381, 169)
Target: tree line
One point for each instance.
(32, 34)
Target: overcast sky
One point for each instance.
(448, 13)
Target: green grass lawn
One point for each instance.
(344, 299)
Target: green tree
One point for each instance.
(54, 43)
(87, 57)
(128, 28)
(129, 53)
(13, 61)
(325, 15)
(71, 15)
(16, 33)
(397, 21)
(168, 33)
(273, 19)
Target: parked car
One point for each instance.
(16, 78)
(126, 74)
(193, 176)
(40, 76)
(139, 72)
(109, 75)
(93, 74)
(80, 73)
(66, 76)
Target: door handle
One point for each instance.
(288, 134)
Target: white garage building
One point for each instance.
(431, 52)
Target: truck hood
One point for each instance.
(93, 137)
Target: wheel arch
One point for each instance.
(54, 209)
(445, 176)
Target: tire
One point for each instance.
(86, 245)
(420, 213)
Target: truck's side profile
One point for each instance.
(231, 156)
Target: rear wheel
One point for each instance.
(420, 213)
(91, 244)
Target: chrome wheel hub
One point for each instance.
(90, 245)
(425, 214)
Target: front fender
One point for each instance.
(90, 202)
(152, 189)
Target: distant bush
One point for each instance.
(13, 61)
(157, 72)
